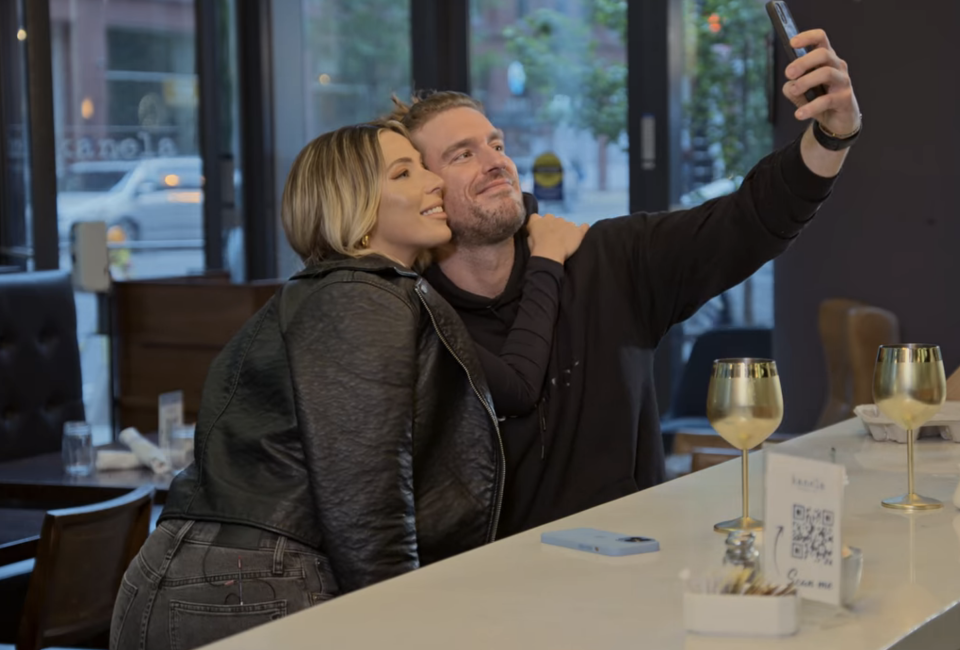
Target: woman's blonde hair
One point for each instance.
(332, 195)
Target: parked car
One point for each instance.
(88, 182)
(156, 199)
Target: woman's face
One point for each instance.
(411, 217)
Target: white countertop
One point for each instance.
(519, 593)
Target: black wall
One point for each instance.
(890, 234)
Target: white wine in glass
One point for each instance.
(909, 387)
(745, 406)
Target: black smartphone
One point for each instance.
(786, 29)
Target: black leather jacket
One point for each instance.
(350, 414)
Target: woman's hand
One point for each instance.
(554, 238)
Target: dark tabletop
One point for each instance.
(31, 486)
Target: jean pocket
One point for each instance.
(327, 583)
(193, 625)
(125, 597)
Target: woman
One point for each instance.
(345, 434)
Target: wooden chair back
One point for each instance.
(81, 558)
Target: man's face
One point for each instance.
(482, 199)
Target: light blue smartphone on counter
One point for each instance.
(602, 542)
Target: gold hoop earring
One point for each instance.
(365, 241)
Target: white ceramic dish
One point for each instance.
(945, 424)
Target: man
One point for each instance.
(595, 436)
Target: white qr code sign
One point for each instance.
(801, 539)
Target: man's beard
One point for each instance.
(491, 226)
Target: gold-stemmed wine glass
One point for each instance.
(745, 406)
(909, 387)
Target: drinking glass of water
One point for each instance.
(181, 446)
(79, 457)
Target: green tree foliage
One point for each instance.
(731, 81)
(562, 57)
(363, 44)
(729, 102)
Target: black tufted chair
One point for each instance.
(40, 381)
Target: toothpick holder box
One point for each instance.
(730, 615)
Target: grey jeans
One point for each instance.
(196, 582)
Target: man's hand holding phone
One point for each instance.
(818, 84)
(837, 111)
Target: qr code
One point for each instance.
(812, 534)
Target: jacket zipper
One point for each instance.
(494, 523)
(543, 430)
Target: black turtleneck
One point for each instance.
(595, 435)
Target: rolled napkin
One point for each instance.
(145, 451)
(113, 459)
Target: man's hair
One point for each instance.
(426, 105)
(332, 195)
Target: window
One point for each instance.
(726, 129)
(554, 80)
(15, 209)
(126, 115)
(358, 54)
(335, 62)
(125, 107)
